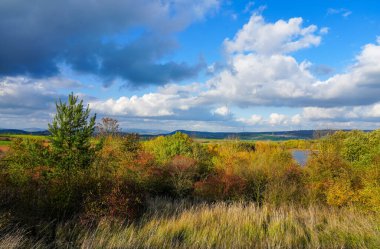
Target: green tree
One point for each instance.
(71, 132)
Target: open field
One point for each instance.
(38, 137)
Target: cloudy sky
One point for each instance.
(211, 65)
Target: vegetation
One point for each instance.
(12, 136)
(4, 142)
(70, 134)
(116, 191)
(108, 126)
(238, 225)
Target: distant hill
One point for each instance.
(23, 132)
(37, 131)
(34, 129)
(13, 131)
(145, 131)
(275, 136)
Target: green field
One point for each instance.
(5, 142)
(38, 137)
(215, 140)
(6, 139)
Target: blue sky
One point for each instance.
(212, 65)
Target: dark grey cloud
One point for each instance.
(38, 35)
(136, 62)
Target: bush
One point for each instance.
(113, 198)
(165, 148)
(42, 194)
(331, 179)
(221, 186)
(286, 186)
(356, 147)
(369, 194)
(27, 153)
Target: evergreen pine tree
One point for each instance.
(71, 132)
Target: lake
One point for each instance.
(300, 156)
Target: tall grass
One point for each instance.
(223, 225)
(239, 225)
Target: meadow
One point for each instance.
(118, 191)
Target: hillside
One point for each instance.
(276, 135)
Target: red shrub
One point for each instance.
(221, 186)
(181, 164)
(117, 199)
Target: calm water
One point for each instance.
(300, 156)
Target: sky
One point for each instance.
(211, 65)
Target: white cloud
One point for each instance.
(248, 7)
(361, 112)
(26, 103)
(148, 105)
(296, 119)
(374, 111)
(277, 119)
(342, 11)
(253, 120)
(317, 113)
(167, 101)
(324, 30)
(272, 38)
(279, 80)
(359, 85)
(261, 80)
(223, 111)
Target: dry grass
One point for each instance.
(221, 225)
(241, 226)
